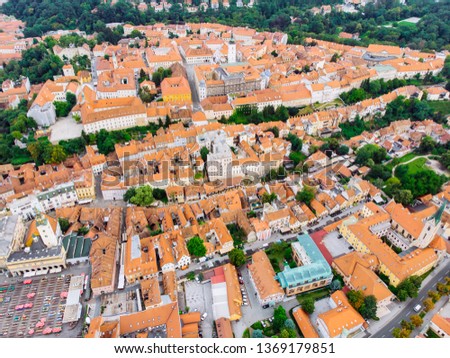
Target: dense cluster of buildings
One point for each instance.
(211, 174)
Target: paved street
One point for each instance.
(191, 80)
(384, 327)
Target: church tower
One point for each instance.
(430, 228)
(231, 51)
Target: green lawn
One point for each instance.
(407, 23)
(305, 110)
(322, 106)
(440, 106)
(405, 158)
(416, 165)
(315, 295)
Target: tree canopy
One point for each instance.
(196, 247)
(308, 305)
(306, 195)
(237, 257)
(141, 196)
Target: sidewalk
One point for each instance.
(397, 307)
(427, 318)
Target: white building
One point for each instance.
(27, 206)
(44, 114)
(232, 52)
(62, 195)
(219, 158)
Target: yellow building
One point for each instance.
(85, 186)
(397, 268)
(41, 251)
(175, 89)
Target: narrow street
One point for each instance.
(191, 79)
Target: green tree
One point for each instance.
(410, 286)
(342, 150)
(434, 295)
(416, 320)
(204, 153)
(370, 151)
(279, 318)
(296, 157)
(306, 195)
(129, 194)
(445, 159)
(257, 333)
(160, 194)
(356, 299)
(401, 333)
(196, 247)
(268, 198)
(296, 142)
(369, 308)
(308, 305)
(143, 196)
(64, 224)
(289, 324)
(427, 144)
(403, 197)
(71, 99)
(237, 257)
(57, 155)
(442, 288)
(335, 57)
(191, 276)
(284, 333)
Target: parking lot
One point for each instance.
(33, 309)
(199, 298)
(253, 312)
(335, 245)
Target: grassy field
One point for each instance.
(323, 106)
(405, 158)
(305, 110)
(440, 106)
(407, 23)
(416, 165)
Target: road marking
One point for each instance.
(383, 336)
